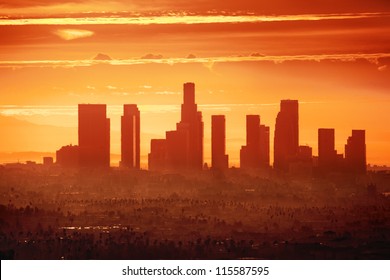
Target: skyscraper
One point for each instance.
(264, 145)
(355, 152)
(191, 122)
(327, 155)
(255, 154)
(94, 136)
(250, 153)
(130, 136)
(183, 147)
(286, 139)
(157, 156)
(219, 160)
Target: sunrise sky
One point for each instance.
(244, 57)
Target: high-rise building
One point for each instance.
(157, 156)
(183, 146)
(219, 160)
(355, 152)
(302, 165)
(191, 122)
(264, 145)
(327, 155)
(94, 136)
(130, 136)
(255, 154)
(286, 139)
(250, 153)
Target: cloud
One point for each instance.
(101, 56)
(72, 34)
(382, 68)
(182, 19)
(196, 6)
(256, 54)
(165, 92)
(206, 61)
(36, 3)
(117, 93)
(152, 56)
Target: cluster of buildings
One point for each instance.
(182, 148)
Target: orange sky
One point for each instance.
(244, 56)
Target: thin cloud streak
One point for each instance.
(72, 34)
(183, 19)
(371, 57)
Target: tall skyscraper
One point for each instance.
(286, 139)
(255, 154)
(191, 122)
(94, 136)
(264, 145)
(327, 155)
(219, 160)
(130, 136)
(355, 152)
(183, 146)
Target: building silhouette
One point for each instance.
(183, 147)
(305, 154)
(157, 155)
(48, 160)
(130, 136)
(219, 160)
(355, 152)
(264, 145)
(255, 154)
(68, 156)
(327, 154)
(94, 136)
(286, 138)
(302, 165)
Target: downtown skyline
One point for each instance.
(182, 149)
(235, 162)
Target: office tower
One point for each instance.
(264, 145)
(250, 153)
(302, 165)
(178, 152)
(68, 156)
(94, 136)
(130, 136)
(219, 160)
(327, 155)
(191, 123)
(305, 154)
(286, 139)
(255, 154)
(157, 155)
(355, 152)
(183, 146)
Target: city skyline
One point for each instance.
(182, 149)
